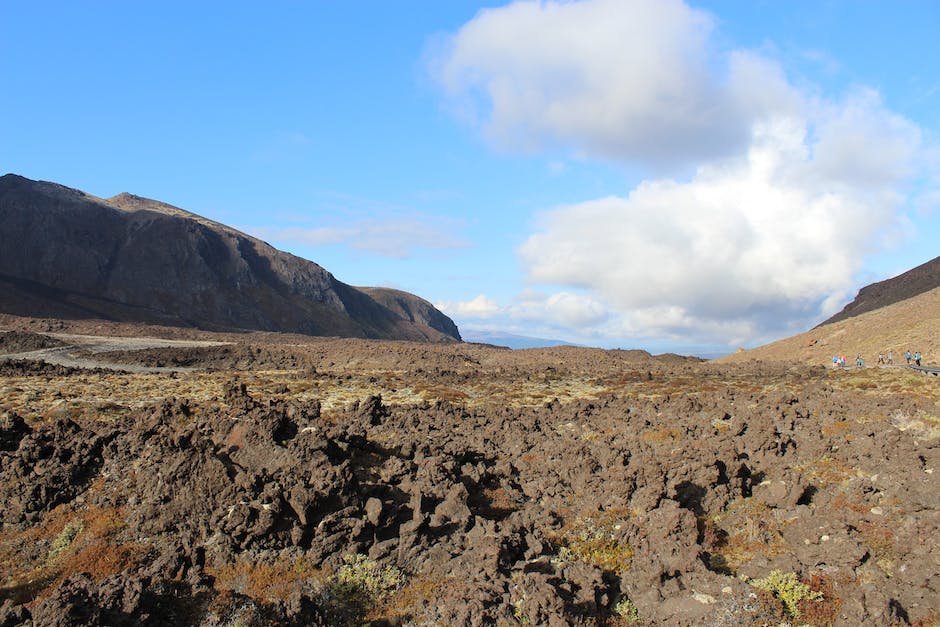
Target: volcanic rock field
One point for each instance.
(265, 479)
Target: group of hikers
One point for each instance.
(839, 360)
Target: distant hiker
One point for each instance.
(835, 361)
(891, 358)
(917, 358)
(858, 361)
(881, 358)
(907, 356)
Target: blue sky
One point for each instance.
(650, 173)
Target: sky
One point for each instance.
(675, 176)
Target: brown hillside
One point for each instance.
(912, 324)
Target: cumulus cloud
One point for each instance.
(397, 238)
(481, 307)
(629, 79)
(861, 144)
(532, 309)
(750, 242)
(785, 191)
(559, 310)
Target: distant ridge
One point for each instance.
(67, 254)
(919, 280)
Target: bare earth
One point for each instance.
(275, 479)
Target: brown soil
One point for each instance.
(305, 481)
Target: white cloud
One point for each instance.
(752, 243)
(861, 144)
(630, 79)
(481, 307)
(397, 238)
(561, 310)
(790, 192)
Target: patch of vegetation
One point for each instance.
(416, 592)
(597, 541)
(359, 576)
(837, 427)
(626, 610)
(746, 528)
(662, 436)
(65, 538)
(788, 589)
(34, 560)
(267, 581)
(831, 470)
(878, 537)
(358, 589)
(922, 425)
(824, 609)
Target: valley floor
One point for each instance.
(264, 479)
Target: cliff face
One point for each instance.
(68, 254)
(914, 282)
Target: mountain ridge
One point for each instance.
(917, 280)
(69, 254)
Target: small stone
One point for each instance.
(706, 599)
(877, 511)
(374, 511)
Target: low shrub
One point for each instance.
(787, 589)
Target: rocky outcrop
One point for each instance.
(410, 307)
(67, 254)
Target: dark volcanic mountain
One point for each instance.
(919, 280)
(67, 254)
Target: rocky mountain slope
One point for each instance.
(67, 254)
(912, 324)
(923, 278)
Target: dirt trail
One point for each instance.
(90, 351)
